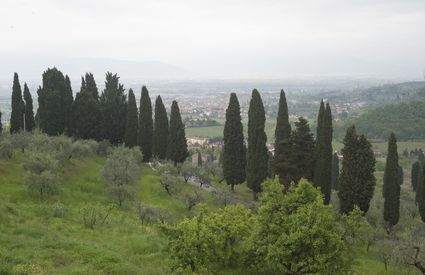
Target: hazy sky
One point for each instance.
(234, 38)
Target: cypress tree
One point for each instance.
(177, 145)
(87, 117)
(160, 132)
(419, 180)
(357, 181)
(51, 113)
(257, 153)
(234, 151)
(391, 184)
(420, 195)
(145, 124)
(131, 121)
(319, 165)
(29, 112)
(18, 107)
(303, 150)
(400, 175)
(335, 171)
(416, 167)
(67, 101)
(326, 155)
(199, 159)
(113, 107)
(282, 163)
(1, 125)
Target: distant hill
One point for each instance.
(30, 67)
(405, 119)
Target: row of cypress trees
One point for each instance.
(297, 154)
(22, 116)
(109, 116)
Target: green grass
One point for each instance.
(32, 239)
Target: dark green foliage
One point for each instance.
(419, 180)
(29, 112)
(87, 117)
(132, 121)
(283, 127)
(67, 101)
(113, 107)
(145, 124)
(1, 125)
(400, 175)
(420, 194)
(282, 164)
(335, 171)
(302, 154)
(323, 157)
(257, 153)
(53, 99)
(160, 131)
(18, 107)
(199, 159)
(357, 181)
(234, 150)
(391, 187)
(416, 168)
(177, 146)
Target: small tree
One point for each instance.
(121, 171)
(187, 171)
(41, 173)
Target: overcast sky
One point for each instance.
(267, 38)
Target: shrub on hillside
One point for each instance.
(6, 148)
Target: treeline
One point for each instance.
(110, 115)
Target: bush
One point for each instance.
(149, 214)
(82, 148)
(192, 199)
(41, 173)
(121, 171)
(6, 148)
(103, 148)
(21, 140)
(95, 215)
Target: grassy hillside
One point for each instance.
(49, 236)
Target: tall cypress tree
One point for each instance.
(177, 145)
(391, 184)
(420, 194)
(18, 107)
(319, 165)
(257, 153)
(113, 107)
(67, 101)
(326, 155)
(357, 181)
(335, 171)
(29, 112)
(234, 151)
(51, 113)
(419, 180)
(282, 163)
(1, 125)
(303, 151)
(416, 168)
(131, 121)
(145, 125)
(199, 159)
(87, 117)
(160, 133)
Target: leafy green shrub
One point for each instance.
(28, 269)
(82, 148)
(103, 148)
(21, 140)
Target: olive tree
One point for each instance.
(121, 171)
